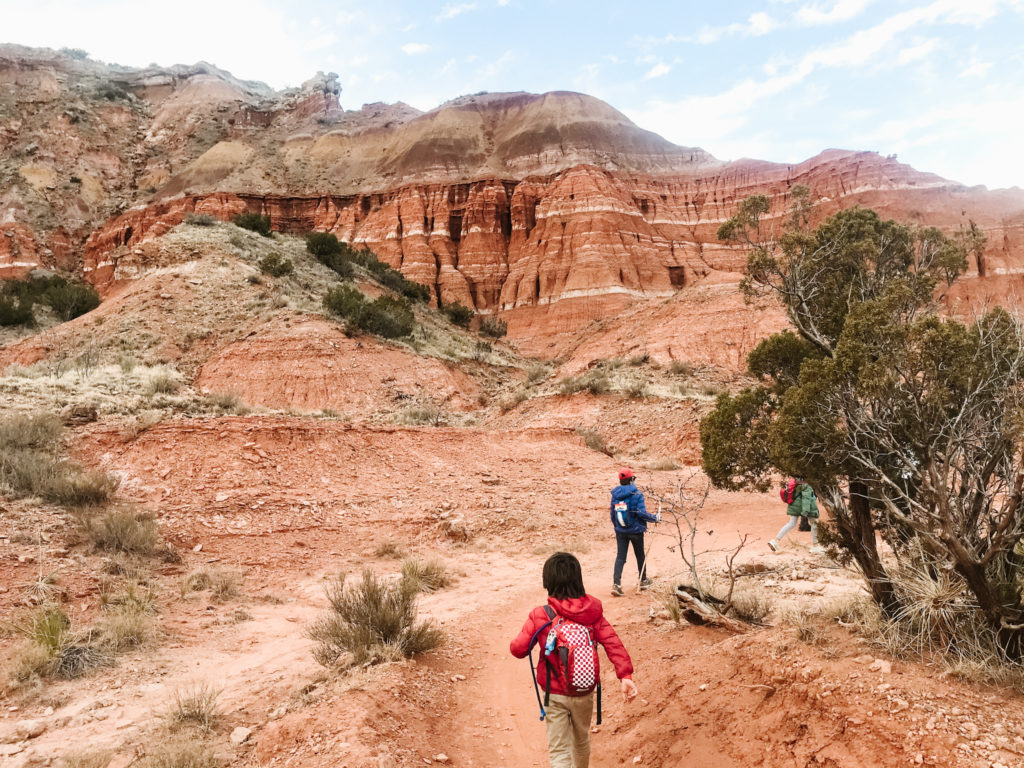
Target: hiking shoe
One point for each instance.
(616, 590)
(773, 545)
(645, 583)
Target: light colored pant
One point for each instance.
(568, 722)
(794, 520)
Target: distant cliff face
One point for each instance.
(553, 209)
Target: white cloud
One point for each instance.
(841, 10)
(657, 71)
(756, 25)
(321, 41)
(451, 11)
(977, 69)
(413, 49)
(917, 52)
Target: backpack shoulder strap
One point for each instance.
(550, 612)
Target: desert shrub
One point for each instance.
(324, 244)
(124, 531)
(426, 575)
(195, 706)
(596, 382)
(536, 374)
(200, 219)
(344, 301)
(182, 753)
(222, 585)
(371, 621)
(15, 312)
(458, 314)
(253, 221)
(681, 368)
(510, 401)
(38, 431)
(636, 390)
(71, 300)
(30, 464)
(389, 549)
(416, 415)
(386, 316)
(127, 619)
(594, 440)
(493, 327)
(162, 384)
(90, 759)
(275, 265)
(662, 465)
(641, 359)
(752, 607)
(75, 53)
(226, 402)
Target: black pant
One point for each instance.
(623, 540)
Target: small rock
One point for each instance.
(197, 548)
(458, 678)
(638, 759)
(704, 687)
(30, 729)
(441, 757)
(48, 711)
(240, 735)
(880, 665)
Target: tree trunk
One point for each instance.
(857, 535)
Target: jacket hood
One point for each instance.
(586, 610)
(623, 492)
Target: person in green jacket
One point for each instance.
(804, 505)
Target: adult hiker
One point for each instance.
(630, 517)
(801, 504)
(567, 631)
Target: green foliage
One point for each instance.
(384, 316)
(324, 244)
(493, 327)
(458, 314)
(68, 300)
(275, 265)
(779, 358)
(370, 622)
(200, 219)
(75, 53)
(71, 300)
(255, 222)
(735, 437)
(339, 256)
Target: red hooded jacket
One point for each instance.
(584, 610)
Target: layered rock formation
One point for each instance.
(553, 209)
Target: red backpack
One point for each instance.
(575, 647)
(788, 491)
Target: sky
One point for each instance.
(939, 83)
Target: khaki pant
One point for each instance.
(568, 722)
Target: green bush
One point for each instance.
(274, 265)
(253, 221)
(67, 299)
(388, 317)
(493, 327)
(324, 244)
(458, 314)
(344, 301)
(15, 312)
(200, 219)
(124, 531)
(71, 300)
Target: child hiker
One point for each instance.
(802, 504)
(568, 630)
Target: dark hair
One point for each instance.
(627, 481)
(563, 577)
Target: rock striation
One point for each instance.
(552, 209)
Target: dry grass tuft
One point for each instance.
(222, 585)
(664, 464)
(422, 415)
(183, 753)
(390, 549)
(90, 759)
(595, 441)
(426, 575)
(123, 531)
(370, 622)
(194, 706)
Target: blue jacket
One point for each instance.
(635, 500)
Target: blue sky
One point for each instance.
(938, 82)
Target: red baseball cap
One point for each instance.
(626, 474)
